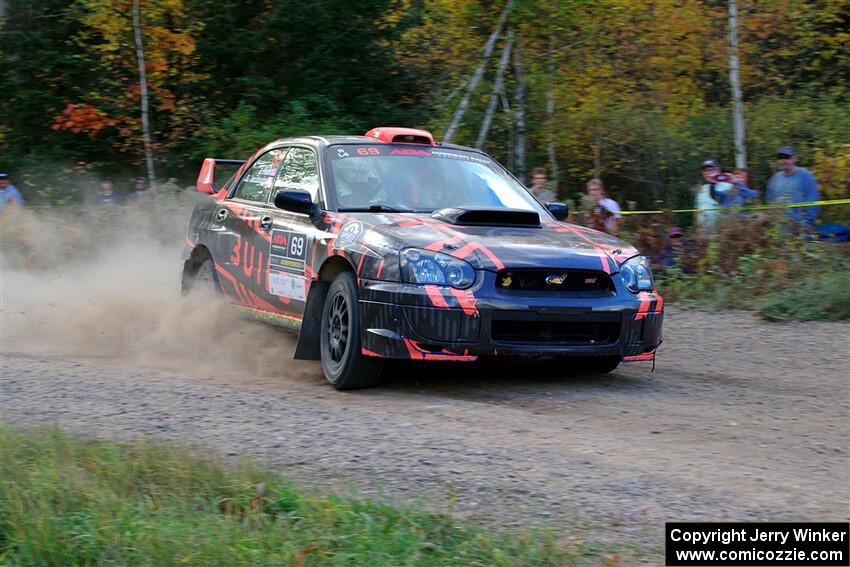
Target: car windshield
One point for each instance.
(404, 178)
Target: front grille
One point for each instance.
(556, 332)
(553, 280)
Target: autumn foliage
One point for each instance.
(82, 118)
(636, 93)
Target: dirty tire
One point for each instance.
(204, 279)
(344, 365)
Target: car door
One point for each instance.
(245, 220)
(292, 235)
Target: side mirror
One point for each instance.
(295, 201)
(559, 210)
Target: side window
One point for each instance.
(299, 172)
(256, 184)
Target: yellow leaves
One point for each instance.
(167, 43)
(183, 43)
(832, 170)
(170, 52)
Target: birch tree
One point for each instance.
(477, 75)
(143, 95)
(498, 88)
(519, 113)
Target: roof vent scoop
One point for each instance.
(395, 135)
(478, 216)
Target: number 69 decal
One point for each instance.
(296, 246)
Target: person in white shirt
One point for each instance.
(605, 215)
(711, 195)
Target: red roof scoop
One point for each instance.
(396, 135)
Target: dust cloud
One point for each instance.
(105, 282)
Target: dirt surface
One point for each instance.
(741, 420)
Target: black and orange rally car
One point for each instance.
(393, 246)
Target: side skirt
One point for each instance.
(291, 323)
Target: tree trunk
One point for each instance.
(519, 114)
(550, 122)
(597, 153)
(737, 105)
(479, 73)
(498, 85)
(143, 92)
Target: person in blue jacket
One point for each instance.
(8, 192)
(745, 194)
(794, 184)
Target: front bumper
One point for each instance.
(405, 321)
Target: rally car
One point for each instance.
(394, 246)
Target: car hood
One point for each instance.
(551, 245)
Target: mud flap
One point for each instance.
(309, 346)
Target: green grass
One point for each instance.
(763, 268)
(71, 501)
(824, 298)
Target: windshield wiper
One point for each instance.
(374, 209)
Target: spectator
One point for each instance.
(9, 193)
(793, 184)
(711, 195)
(139, 190)
(671, 256)
(605, 213)
(540, 187)
(650, 242)
(107, 193)
(744, 195)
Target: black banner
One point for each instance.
(758, 544)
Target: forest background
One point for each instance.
(634, 92)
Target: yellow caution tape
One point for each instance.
(749, 208)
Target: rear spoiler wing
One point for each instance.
(206, 177)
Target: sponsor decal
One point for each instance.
(287, 252)
(348, 234)
(458, 155)
(409, 153)
(287, 285)
(340, 152)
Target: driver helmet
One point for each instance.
(357, 179)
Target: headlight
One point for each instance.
(636, 275)
(426, 267)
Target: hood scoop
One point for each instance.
(481, 216)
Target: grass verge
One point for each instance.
(71, 501)
(779, 276)
(825, 298)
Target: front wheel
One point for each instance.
(344, 365)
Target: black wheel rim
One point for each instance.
(338, 328)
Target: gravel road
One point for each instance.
(741, 420)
